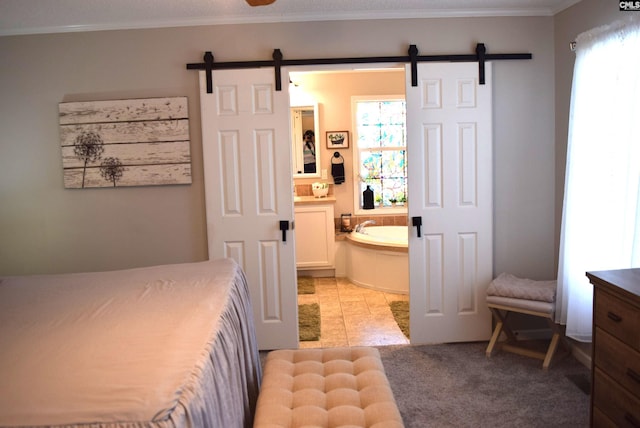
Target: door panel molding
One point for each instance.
(449, 130)
(246, 171)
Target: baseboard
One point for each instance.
(581, 352)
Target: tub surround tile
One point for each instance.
(381, 220)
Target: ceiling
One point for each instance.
(54, 16)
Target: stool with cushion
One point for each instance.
(507, 294)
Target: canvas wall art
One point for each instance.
(136, 142)
(337, 139)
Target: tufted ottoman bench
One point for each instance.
(333, 387)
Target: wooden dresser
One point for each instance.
(615, 390)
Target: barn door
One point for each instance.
(248, 187)
(449, 141)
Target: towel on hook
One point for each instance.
(337, 170)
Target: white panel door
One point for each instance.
(449, 142)
(247, 171)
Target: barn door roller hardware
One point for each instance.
(277, 62)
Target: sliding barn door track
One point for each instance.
(277, 62)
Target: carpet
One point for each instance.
(582, 381)
(309, 322)
(306, 285)
(456, 385)
(400, 311)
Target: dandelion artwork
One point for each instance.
(88, 147)
(137, 142)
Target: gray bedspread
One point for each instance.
(165, 346)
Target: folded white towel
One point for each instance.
(507, 285)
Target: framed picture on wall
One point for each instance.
(337, 139)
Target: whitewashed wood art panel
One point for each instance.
(137, 142)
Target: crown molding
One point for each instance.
(302, 17)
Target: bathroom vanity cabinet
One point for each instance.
(315, 234)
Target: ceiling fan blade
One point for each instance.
(259, 2)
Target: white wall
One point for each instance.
(46, 228)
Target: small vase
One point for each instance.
(367, 198)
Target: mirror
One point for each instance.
(305, 146)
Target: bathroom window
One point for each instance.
(380, 150)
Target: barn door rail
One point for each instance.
(278, 61)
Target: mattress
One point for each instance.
(164, 346)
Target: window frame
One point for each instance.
(357, 208)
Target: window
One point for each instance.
(601, 212)
(380, 149)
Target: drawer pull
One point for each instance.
(614, 317)
(631, 419)
(633, 375)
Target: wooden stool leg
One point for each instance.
(557, 338)
(501, 315)
(494, 337)
(551, 350)
(511, 337)
(501, 326)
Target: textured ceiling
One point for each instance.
(49, 16)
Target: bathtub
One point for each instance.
(379, 259)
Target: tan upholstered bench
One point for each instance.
(333, 387)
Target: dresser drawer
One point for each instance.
(618, 360)
(616, 403)
(600, 420)
(618, 318)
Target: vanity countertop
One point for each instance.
(308, 200)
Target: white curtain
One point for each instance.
(601, 212)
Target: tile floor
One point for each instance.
(353, 316)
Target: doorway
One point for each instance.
(449, 134)
(354, 316)
(351, 314)
(450, 260)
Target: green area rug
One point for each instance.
(306, 285)
(400, 310)
(309, 322)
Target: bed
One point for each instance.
(164, 346)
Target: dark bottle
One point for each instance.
(367, 199)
